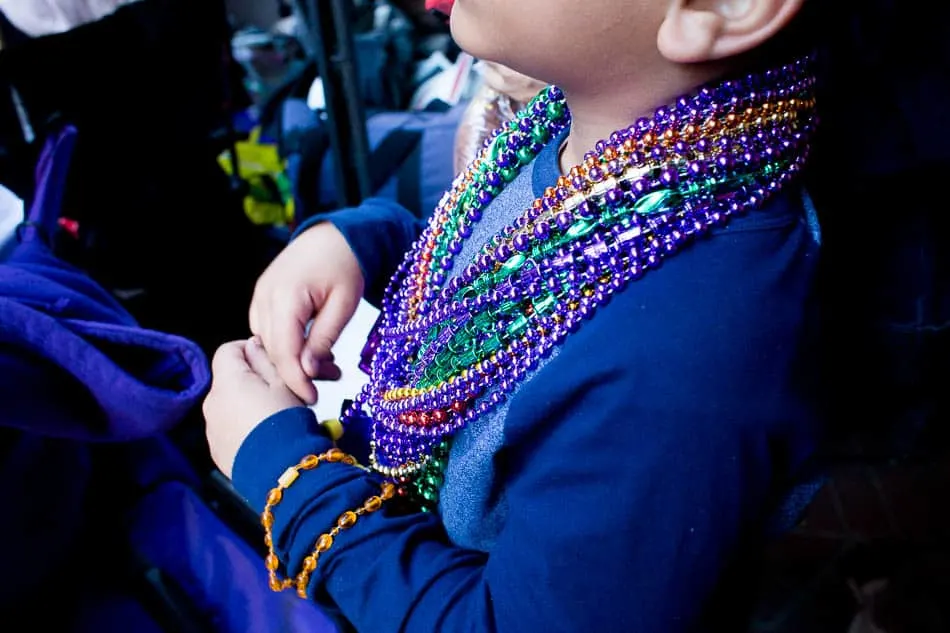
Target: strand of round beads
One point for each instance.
(449, 350)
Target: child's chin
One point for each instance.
(474, 32)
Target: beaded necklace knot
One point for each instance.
(448, 349)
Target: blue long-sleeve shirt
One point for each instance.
(615, 490)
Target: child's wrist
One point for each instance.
(275, 442)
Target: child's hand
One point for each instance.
(246, 390)
(316, 277)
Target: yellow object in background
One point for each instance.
(270, 198)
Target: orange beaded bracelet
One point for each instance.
(325, 541)
(334, 455)
(347, 520)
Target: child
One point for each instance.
(564, 434)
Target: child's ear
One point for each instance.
(705, 30)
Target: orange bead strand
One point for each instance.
(325, 541)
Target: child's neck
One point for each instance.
(597, 113)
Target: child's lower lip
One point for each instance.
(442, 6)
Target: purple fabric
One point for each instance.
(107, 379)
(43, 483)
(74, 368)
(224, 579)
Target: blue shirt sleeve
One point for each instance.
(380, 232)
(629, 539)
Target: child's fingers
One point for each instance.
(328, 370)
(229, 359)
(260, 363)
(329, 321)
(283, 338)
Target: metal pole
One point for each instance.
(336, 61)
(346, 62)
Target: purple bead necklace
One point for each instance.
(447, 350)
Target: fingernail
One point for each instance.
(255, 341)
(311, 398)
(309, 363)
(333, 372)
